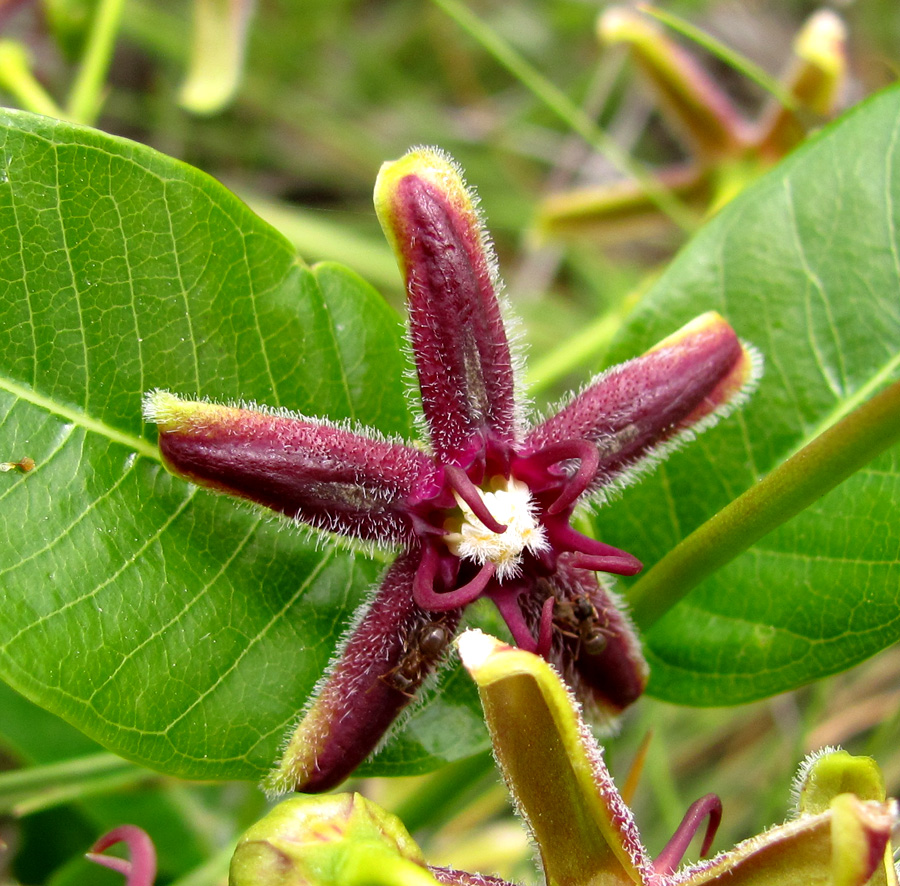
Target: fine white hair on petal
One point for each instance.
(512, 326)
(424, 695)
(611, 488)
(802, 776)
(281, 780)
(515, 337)
(158, 407)
(485, 240)
(154, 411)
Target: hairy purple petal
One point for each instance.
(598, 654)
(683, 384)
(389, 654)
(326, 476)
(457, 333)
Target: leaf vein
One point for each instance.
(178, 615)
(128, 563)
(141, 446)
(184, 295)
(78, 305)
(836, 384)
(253, 642)
(61, 535)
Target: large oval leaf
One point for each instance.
(806, 266)
(169, 624)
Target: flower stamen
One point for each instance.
(463, 488)
(510, 505)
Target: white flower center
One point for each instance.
(509, 503)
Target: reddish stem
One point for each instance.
(709, 806)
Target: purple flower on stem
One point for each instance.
(487, 511)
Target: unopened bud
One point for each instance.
(690, 99)
(816, 79)
(830, 772)
(328, 841)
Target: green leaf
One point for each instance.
(171, 625)
(806, 265)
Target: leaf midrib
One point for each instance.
(94, 425)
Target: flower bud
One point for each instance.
(816, 79)
(689, 97)
(830, 772)
(335, 840)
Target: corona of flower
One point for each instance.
(486, 510)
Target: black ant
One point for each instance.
(421, 652)
(579, 619)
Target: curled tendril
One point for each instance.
(139, 869)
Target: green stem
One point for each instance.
(108, 784)
(23, 791)
(86, 95)
(573, 353)
(17, 79)
(558, 102)
(795, 484)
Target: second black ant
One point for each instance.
(422, 652)
(579, 619)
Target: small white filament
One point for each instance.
(511, 504)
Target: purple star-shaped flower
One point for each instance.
(486, 512)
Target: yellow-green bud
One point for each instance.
(334, 840)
